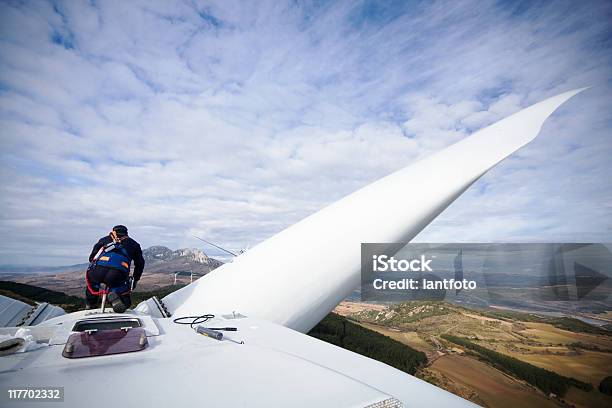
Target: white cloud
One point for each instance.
(233, 121)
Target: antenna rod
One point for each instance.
(216, 246)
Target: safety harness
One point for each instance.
(112, 255)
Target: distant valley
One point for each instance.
(161, 263)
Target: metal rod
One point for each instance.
(103, 287)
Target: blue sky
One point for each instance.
(232, 120)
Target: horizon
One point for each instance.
(220, 257)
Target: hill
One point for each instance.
(402, 314)
(522, 356)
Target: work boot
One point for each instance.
(116, 303)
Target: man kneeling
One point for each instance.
(109, 264)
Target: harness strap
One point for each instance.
(90, 289)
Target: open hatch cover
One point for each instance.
(106, 323)
(105, 342)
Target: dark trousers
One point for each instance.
(112, 278)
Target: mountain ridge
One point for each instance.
(153, 255)
(184, 259)
(161, 266)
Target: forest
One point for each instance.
(337, 330)
(31, 294)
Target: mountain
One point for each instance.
(162, 259)
(161, 264)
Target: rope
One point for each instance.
(94, 292)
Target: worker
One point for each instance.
(109, 263)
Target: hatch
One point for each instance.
(93, 343)
(106, 324)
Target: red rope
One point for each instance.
(90, 289)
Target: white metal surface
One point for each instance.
(43, 312)
(12, 311)
(317, 261)
(276, 367)
(17, 313)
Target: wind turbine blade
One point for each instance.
(300, 274)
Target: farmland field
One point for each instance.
(583, 356)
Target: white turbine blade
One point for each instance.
(299, 275)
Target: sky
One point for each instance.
(233, 120)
